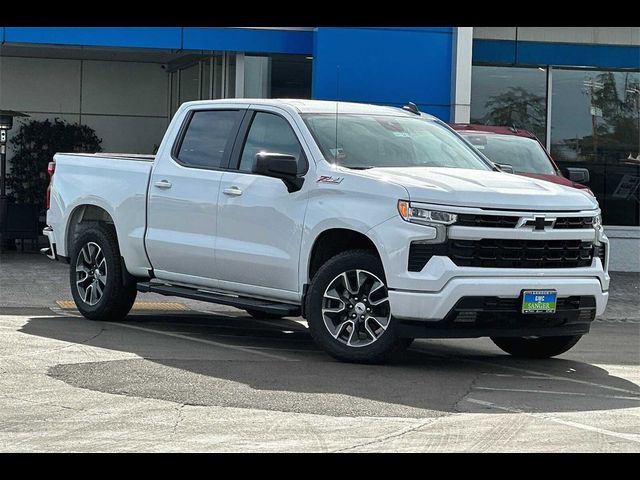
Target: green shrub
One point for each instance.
(34, 144)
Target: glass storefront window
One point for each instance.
(595, 123)
(205, 94)
(257, 76)
(277, 76)
(190, 83)
(510, 96)
(290, 76)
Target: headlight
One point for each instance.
(424, 216)
(597, 222)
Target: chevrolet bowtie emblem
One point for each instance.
(537, 222)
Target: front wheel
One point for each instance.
(348, 309)
(541, 347)
(100, 288)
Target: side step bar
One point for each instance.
(284, 309)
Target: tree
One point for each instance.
(34, 145)
(617, 134)
(517, 106)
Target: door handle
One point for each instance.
(233, 191)
(163, 184)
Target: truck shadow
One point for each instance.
(240, 362)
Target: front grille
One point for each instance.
(498, 304)
(507, 221)
(506, 312)
(566, 223)
(497, 253)
(491, 221)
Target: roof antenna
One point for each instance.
(335, 154)
(411, 107)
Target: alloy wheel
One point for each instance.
(91, 273)
(355, 308)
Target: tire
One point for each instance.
(259, 315)
(368, 342)
(118, 290)
(542, 347)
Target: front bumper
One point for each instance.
(431, 295)
(434, 306)
(490, 307)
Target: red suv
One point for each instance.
(520, 152)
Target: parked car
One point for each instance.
(520, 150)
(376, 224)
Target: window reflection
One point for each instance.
(595, 123)
(509, 96)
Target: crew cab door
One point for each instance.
(260, 222)
(183, 193)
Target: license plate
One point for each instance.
(539, 301)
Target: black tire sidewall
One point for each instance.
(116, 296)
(378, 351)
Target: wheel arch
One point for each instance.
(82, 214)
(89, 213)
(332, 241)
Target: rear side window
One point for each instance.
(209, 138)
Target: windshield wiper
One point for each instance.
(360, 167)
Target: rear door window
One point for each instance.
(209, 137)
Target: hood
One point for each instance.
(482, 188)
(560, 180)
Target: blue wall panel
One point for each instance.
(230, 39)
(249, 40)
(494, 51)
(389, 66)
(542, 53)
(140, 37)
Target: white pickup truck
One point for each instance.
(377, 224)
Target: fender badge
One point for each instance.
(329, 179)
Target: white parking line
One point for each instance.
(626, 436)
(551, 392)
(200, 340)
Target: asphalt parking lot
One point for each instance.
(200, 377)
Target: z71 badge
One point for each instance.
(329, 179)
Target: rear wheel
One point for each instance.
(348, 309)
(100, 288)
(541, 347)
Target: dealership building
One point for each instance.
(576, 88)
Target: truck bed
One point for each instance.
(114, 182)
(115, 156)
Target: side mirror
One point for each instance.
(578, 175)
(505, 167)
(279, 165)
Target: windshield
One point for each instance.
(524, 154)
(366, 141)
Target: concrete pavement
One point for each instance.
(222, 381)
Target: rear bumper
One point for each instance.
(51, 251)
